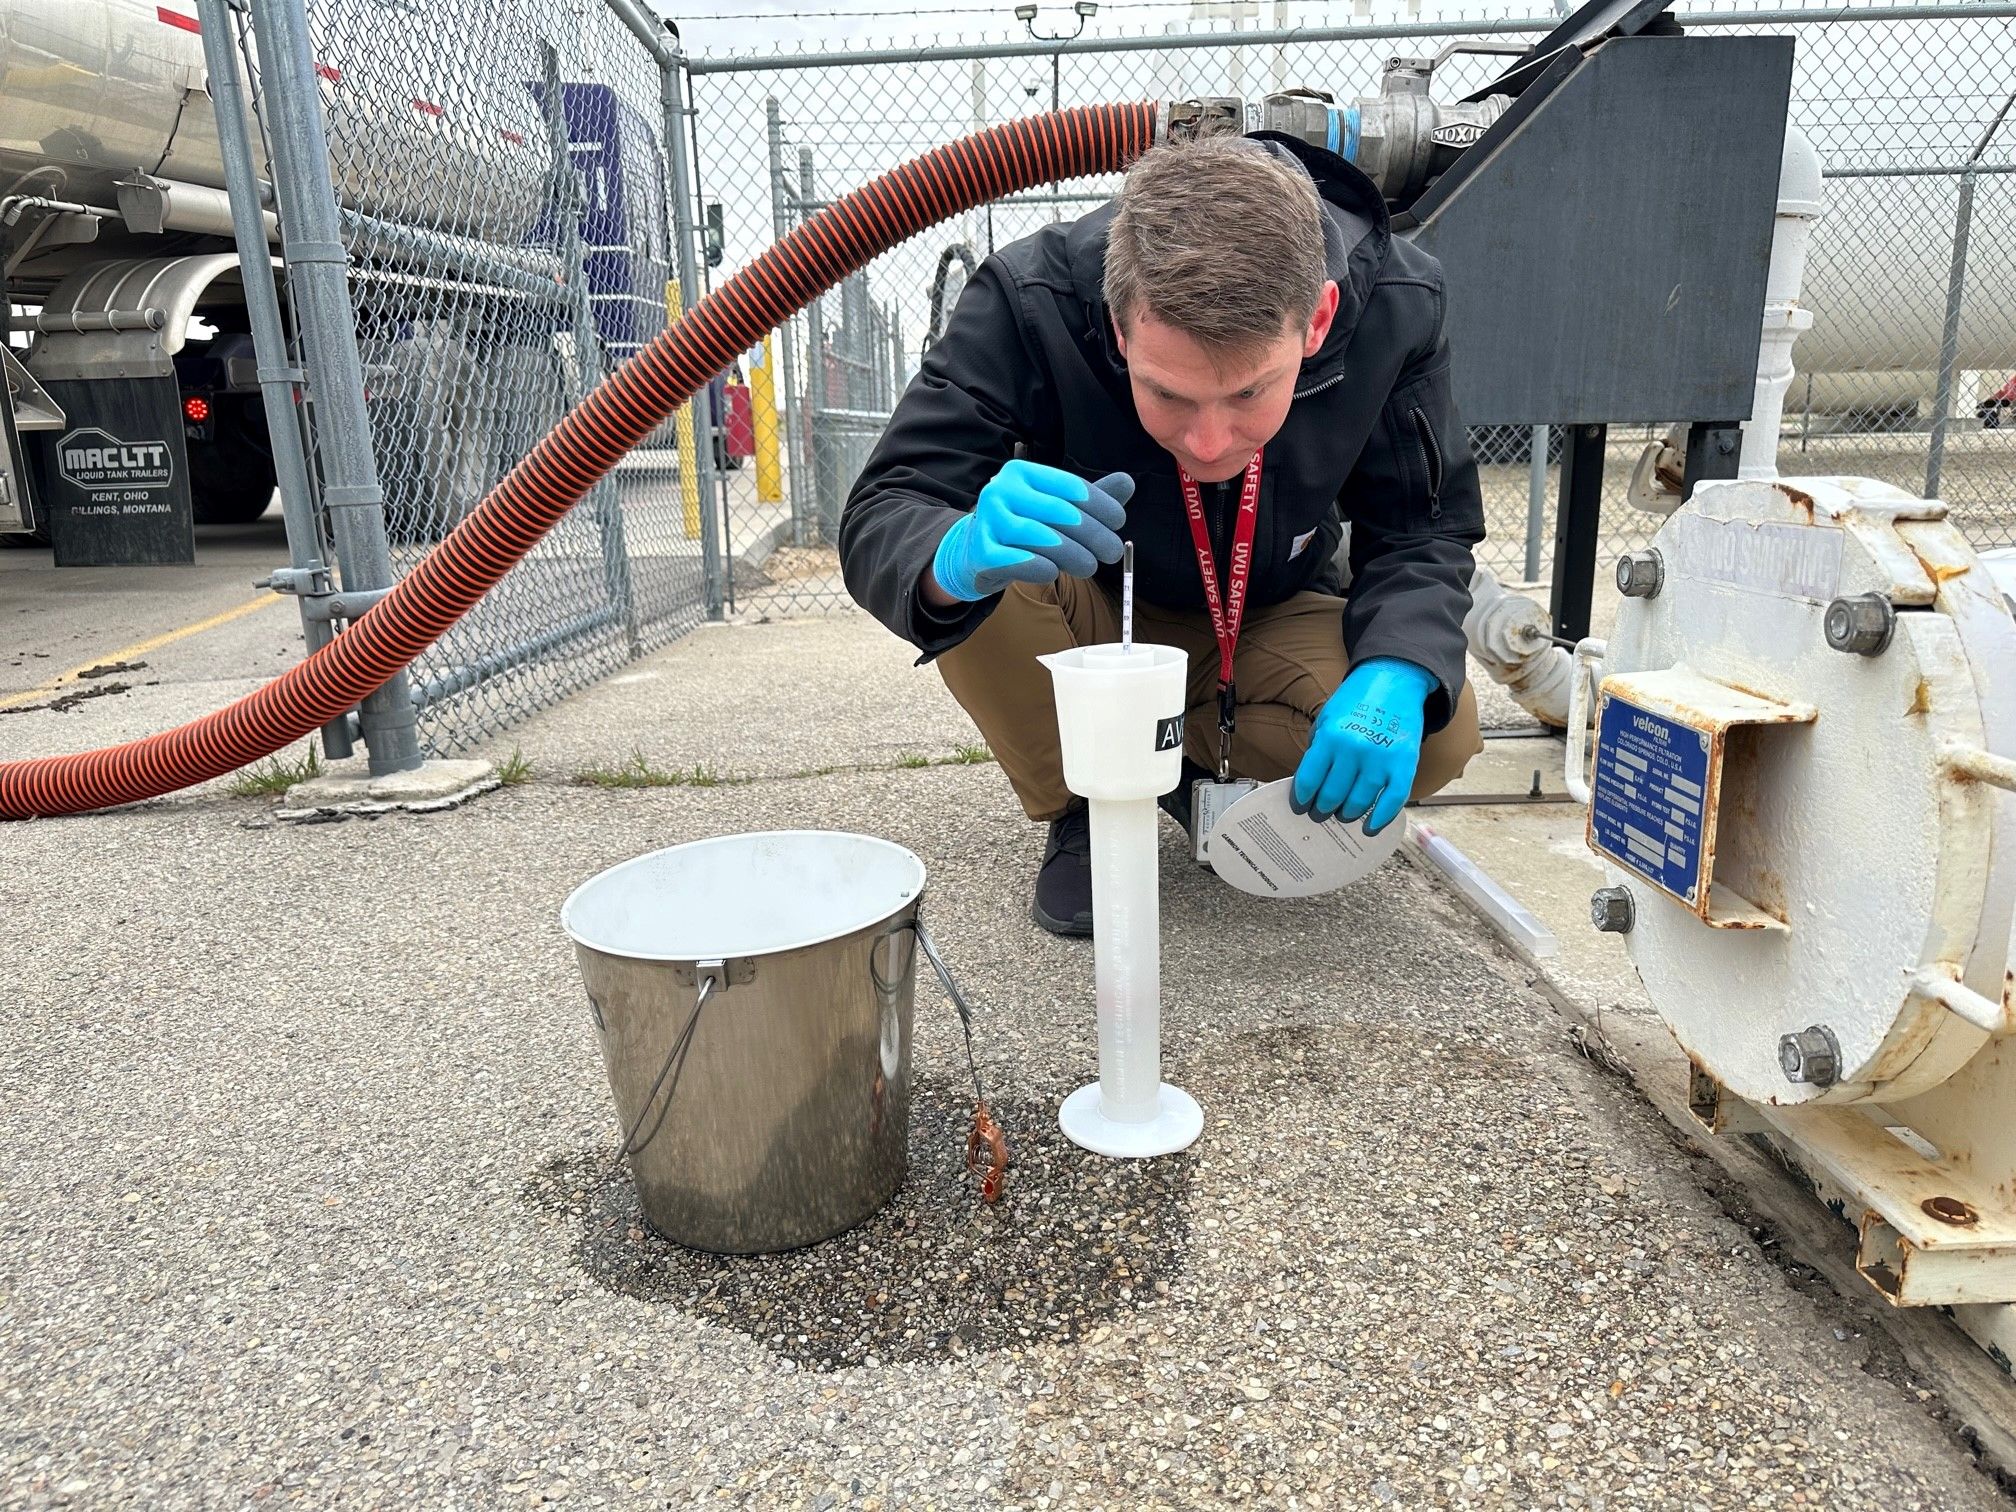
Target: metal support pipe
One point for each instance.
(604, 505)
(1536, 502)
(671, 76)
(662, 44)
(895, 354)
(522, 270)
(306, 549)
(1302, 36)
(815, 378)
(803, 511)
(318, 273)
(815, 312)
(1956, 294)
(1919, 170)
(1949, 339)
(522, 653)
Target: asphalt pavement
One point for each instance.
(310, 1195)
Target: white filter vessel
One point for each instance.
(1120, 720)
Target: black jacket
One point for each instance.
(1372, 437)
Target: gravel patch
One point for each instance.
(937, 1274)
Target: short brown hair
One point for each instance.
(1219, 238)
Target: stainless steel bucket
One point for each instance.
(753, 995)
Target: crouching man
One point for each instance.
(1225, 365)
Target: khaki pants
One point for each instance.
(1291, 658)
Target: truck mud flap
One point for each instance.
(115, 478)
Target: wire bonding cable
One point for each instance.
(576, 453)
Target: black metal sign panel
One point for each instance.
(116, 479)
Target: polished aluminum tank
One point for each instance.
(445, 137)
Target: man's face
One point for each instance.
(1209, 411)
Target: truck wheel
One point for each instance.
(231, 475)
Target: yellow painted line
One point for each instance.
(140, 648)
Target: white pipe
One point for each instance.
(1799, 189)
(1983, 1013)
(1512, 638)
(1588, 654)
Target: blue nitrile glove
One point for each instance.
(1366, 744)
(1031, 524)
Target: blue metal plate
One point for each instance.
(1648, 796)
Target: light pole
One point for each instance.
(1085, 10)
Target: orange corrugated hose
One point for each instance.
(584, 446)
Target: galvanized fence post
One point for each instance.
(1956, 294)
(318, 271)
(802, 512)
(815, 312)
(672, 73)
(1949, 340)
(278, 377)
(1536, 502)
(662, 43)
(817, 366)
(568, 198)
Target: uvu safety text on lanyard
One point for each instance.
(1227, 604)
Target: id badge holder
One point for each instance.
(1209, 799)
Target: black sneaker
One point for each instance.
(1064, 885)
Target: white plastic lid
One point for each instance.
(1262, 846)
(742, 895)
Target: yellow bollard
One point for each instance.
(689, 453)
(763, 416)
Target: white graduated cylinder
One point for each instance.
(1120, 722)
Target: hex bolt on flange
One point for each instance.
(1861, 622)
(1641, 574)
(1611, 910)
(1812, 1055)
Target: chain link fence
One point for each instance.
(507, 207)
(516, 226)
(1903, 103)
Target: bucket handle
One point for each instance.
(986, 1145)
(915, 924)
(710, 974)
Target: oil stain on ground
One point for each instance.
(936, 1273)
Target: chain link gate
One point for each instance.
(1899, 100)
(507, 209)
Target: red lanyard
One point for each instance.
(1228, 607)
